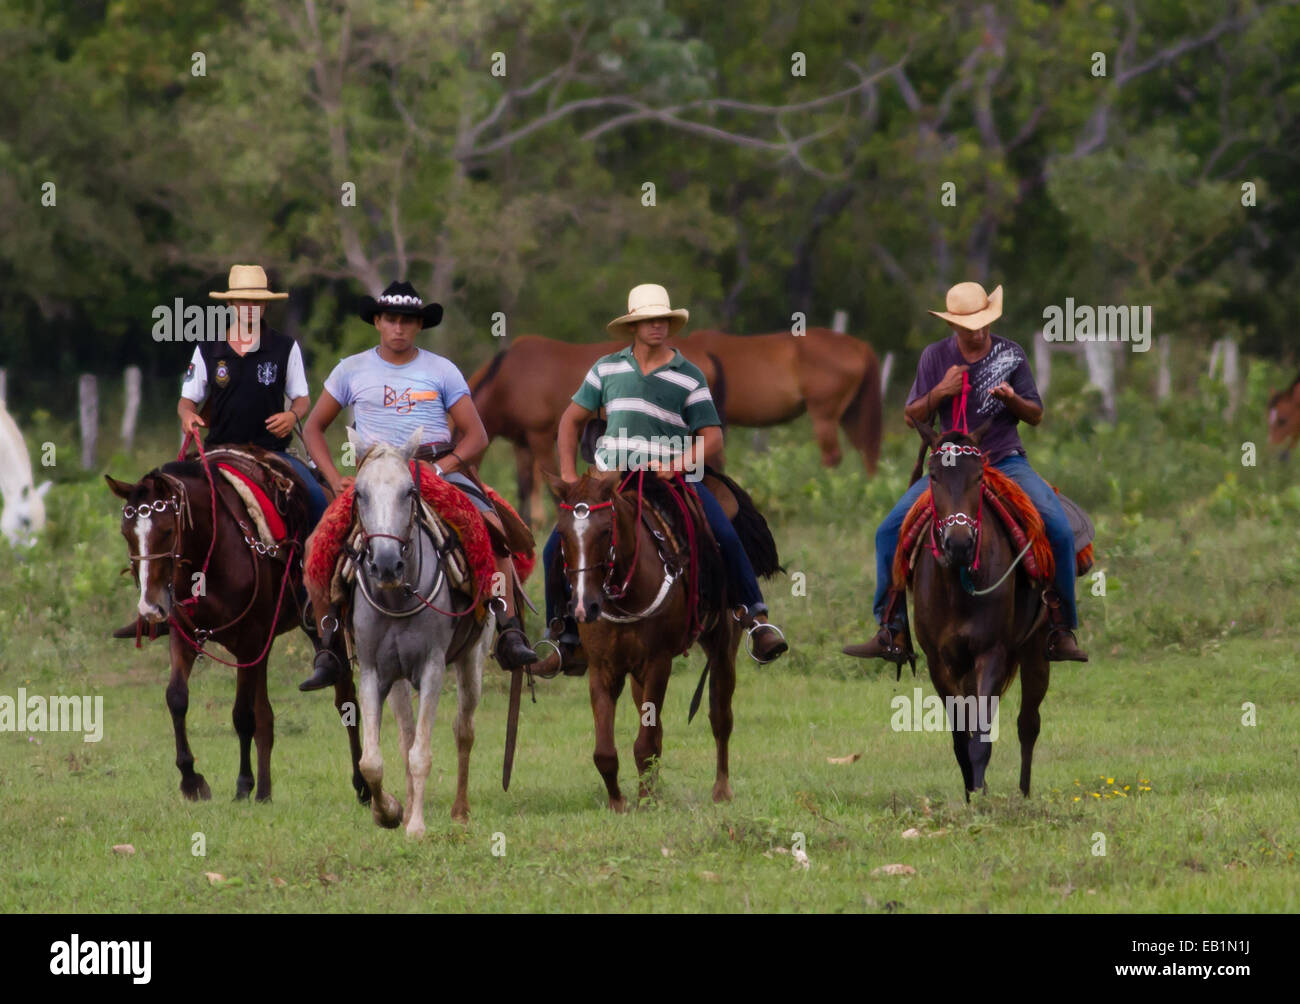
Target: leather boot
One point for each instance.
(326, 667)
(892, 643)
(1062, 646)
(128, 630)
(767, 641)
(512, 650)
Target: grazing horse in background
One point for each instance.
(408, 625)
(24, 501)
(179, 520)
(977, 615)
(635, 612)
(523, 390)
(774, 378)
(1284, 418)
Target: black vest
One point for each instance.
(244, 391)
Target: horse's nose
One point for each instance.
(588, 614)
(388, 569)
(960, 549)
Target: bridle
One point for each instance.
(582, 511)
(942, 525)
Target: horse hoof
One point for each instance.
(415, 832)
(618, 804)
(722, 793)
(197, 789)
(389, 814)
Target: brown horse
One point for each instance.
(179, 520)
(523, 390)
(777, 377)
(977, 626)
(1284, 418)
(632, 604)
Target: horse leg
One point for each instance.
(470, 688)
(542, 447)
(826, 430)
(721, 654)
(524, 481)
(420, 759)
(345, 703)
(386, 810)
(649, 745)
(604, 694)
(193, 786)
(245, 722)
(399, 699)
(990, 670)
(264, 731)
(1034, 674)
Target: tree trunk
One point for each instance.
(1042, 364)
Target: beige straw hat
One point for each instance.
(970, 307)
(645, 303)
(247, 282)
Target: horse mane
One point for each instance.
(477, 382)
(712, 571)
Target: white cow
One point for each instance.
(24, 502)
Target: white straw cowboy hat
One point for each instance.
(645, 303)
(247, 282)
(969, 306)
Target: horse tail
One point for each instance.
(752, 529)
(862, 418)
(485, 374)
(719, 389)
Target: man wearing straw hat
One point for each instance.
(1000, 387)
(654, 397)
(244, 378)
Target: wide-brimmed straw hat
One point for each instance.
(247, 282)
(970, 307)
(401, 298)
(645, 303)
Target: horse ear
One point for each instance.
(981, 432)
(121, 489)
(927, 433)
(559, 487)
(413, 443)
(43, 489)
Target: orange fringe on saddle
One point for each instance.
(1014, 502)
(452, 504)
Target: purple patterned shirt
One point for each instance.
(1004, 362)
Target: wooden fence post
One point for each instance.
(1164, 378)
(88, 395)
(840, 321)
(131, 382)
(886, 370)
(1042, 363)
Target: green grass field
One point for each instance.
(1143, 749)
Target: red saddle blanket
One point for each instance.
(274, 522)
(449, 502)
(1005, 500)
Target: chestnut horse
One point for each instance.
(777, 377)
(522, 391)
(632, 603)
(179, 520)
(1284, 418)
(975, 633)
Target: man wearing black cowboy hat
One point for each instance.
(393, 389)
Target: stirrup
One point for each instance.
(749, 641)
(558, 655)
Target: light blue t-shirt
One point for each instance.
(389, 402)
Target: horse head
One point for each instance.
(386, 502)
(1284, 418)
(956, 471)
(587, 521)
(151, 525)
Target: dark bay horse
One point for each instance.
(180, 520)
(974, 643)
(632, 603)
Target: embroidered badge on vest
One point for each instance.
(266, 373)
(223, 374)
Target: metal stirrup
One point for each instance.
(749, 640)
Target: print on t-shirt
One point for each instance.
(993, 369)
(407, 399)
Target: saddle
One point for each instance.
(274, 498)
(1006, 501)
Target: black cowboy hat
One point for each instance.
(401, 298)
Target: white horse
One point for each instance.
(24, 502)
(401, 643)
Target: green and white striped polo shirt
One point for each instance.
(650, 416)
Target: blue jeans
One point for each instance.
(740, 571)
(1059, 534)
(315, 493)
